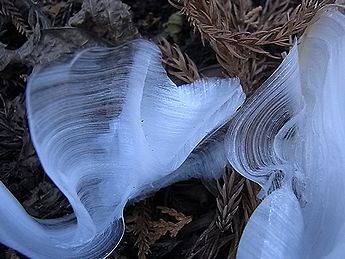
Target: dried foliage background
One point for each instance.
(198, 38)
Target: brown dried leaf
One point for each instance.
(109, 19)
(45, 46)
(65, 13)
(55, 9)
(11, 254)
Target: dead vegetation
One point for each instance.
(248, 39)
(243, 38)
(236, 200)
(9, 9)
(178, 63)
(148, 231)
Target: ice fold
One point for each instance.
(109, 126)
(297, 159)
(250, 142)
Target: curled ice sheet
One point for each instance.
(251, 137)
(301, 164)
(110, 126)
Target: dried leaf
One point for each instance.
(48, 45)
(109, 19)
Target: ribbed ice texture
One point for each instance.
(290, 138)
(109, 126)
(252, 132)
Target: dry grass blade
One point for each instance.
(210, 242)
(9, 9)
(178, 64)
(178, 4)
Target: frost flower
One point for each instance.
(290, 138)
(109, 126)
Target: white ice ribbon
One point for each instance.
(110, 126)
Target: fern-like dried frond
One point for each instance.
(178, 63)
(226, 227)
(251, 71)
(249, 200)
(148, 231)
(248, 40)
(248, 204)
(297, 20)
(9, 9)
(237, 25)
(139, 223)
(161, 227)
(64, 13)
(228, 199)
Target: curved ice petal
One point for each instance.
(207, 161)
(163, 114)
(47, 238)
(106, 125)
(275, 229)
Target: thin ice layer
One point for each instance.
(303, 215)
(107, 126)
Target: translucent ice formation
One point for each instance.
(290, 138)
(109, 126)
